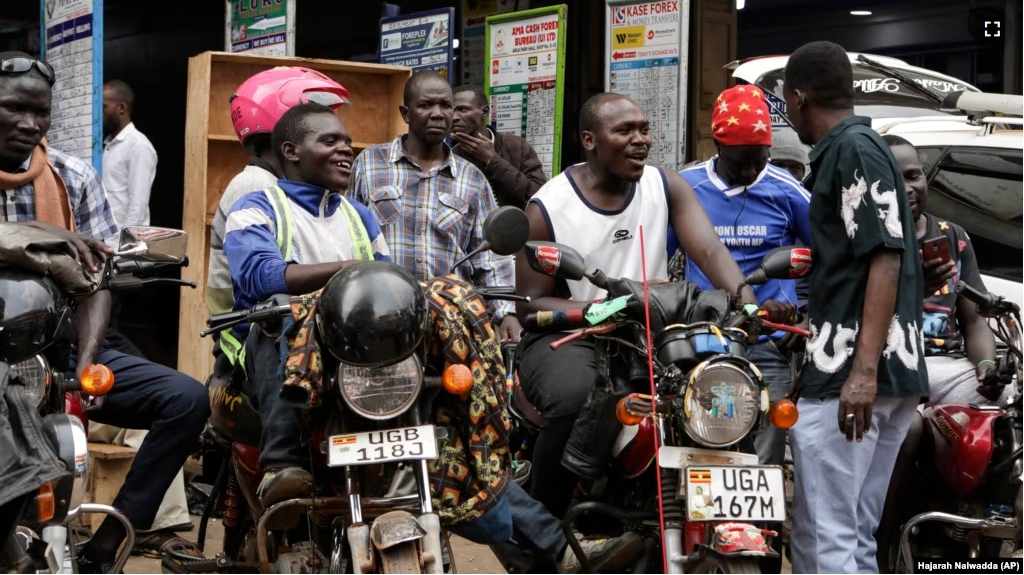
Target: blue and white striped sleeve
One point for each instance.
(254, 259)
(381, 252)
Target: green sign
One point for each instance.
(525, 62)
(261, 27)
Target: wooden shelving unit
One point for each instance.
(213, 157)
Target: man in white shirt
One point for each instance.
(129, 160)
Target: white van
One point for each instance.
(972, 158)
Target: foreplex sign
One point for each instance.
(653, 13)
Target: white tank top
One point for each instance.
(609, 241)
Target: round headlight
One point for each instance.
(34, 373)
(381, 392)
(721, 404)
(81, 444)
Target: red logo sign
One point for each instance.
(549, 258)
(650, 34)
(799, 262)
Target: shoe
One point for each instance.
(88, 565)
(521, 471)
(605, 555)
(283, 484)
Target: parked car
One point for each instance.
(884, 88)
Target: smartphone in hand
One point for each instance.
(936, 248)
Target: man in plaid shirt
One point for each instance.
(51, 190)
(431, 203)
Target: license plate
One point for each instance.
(371, 447)
(734, 493)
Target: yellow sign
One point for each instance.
(628, 37)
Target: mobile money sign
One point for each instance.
(421, 41)
(526, 78)
(647, 61)
(260, 27)
(72, 42)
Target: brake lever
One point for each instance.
(124, 283)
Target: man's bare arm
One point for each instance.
(538, 287)
(879, 303)
(91, 318)
(301, 279)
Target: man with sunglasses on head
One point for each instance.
(50, 190)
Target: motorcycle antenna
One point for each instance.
(654, 397)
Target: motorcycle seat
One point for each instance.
(232, 414)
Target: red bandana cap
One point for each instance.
(741, 118)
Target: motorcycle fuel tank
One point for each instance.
(963, 439)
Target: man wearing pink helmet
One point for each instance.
(256, 107)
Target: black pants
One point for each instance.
(115, 339)
(557, 382)
(172, 406)
(281, 440)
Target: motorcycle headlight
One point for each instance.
(721, 404)
(381, 392)
(35, 375)
(81, 470)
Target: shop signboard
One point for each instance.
(471, 51)
(647, 60)
(525, 55)
(260, 27)
(72, 32)
(421, 41)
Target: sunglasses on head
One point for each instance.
(22, 65)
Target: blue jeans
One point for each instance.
(519, 514)
(770, 444)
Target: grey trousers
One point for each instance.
(841, 486)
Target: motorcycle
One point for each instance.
(371, 511)
(974, 510)
(677, 476)
(36, 531)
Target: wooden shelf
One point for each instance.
(358, 146)
(213, 157)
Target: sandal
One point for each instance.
(155, 544)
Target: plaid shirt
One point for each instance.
(85, 190)
(432, 219)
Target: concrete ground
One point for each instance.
(469, 557)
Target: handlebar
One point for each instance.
(989, 304)
(276, 307)
(560, 320)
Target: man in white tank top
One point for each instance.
(597, 208)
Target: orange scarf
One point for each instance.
(53, 205)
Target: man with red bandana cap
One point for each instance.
(755, 207)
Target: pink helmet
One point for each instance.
(260, 101)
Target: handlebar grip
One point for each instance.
(984, 300)
(223, 318)
(555, 320)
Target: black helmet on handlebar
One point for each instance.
(371, 314)
(34, 313)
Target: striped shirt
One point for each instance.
(432, 219)
(89, 204)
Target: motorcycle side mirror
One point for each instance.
(782, 263)
(555, 260)
(506, 229)
(151, 244)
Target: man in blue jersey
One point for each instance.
(755, 207)
(326, 233)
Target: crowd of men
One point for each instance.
(420, 202)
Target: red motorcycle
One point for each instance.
(677, 476)
(975, 510)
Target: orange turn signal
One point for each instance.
(45, 503)
(457, 379)
(783, 414)
(623, 414)
(97, 379)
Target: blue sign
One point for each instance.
(72, 42)
(422, 41)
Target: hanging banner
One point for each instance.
(472, 49)
(526, 78)
(72, 42)
(647, 60)
(421, 41)
(260, 27)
